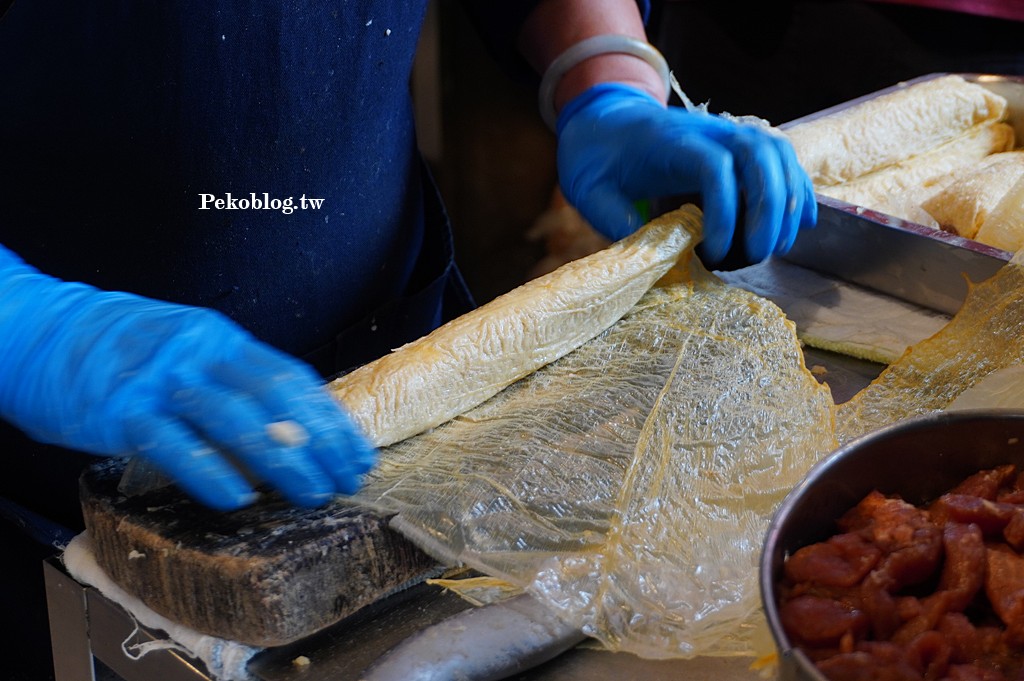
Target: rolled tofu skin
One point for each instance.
(884, 130)
(472, 358)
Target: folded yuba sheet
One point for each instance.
(936, 152)
(628, 484)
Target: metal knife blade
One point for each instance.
(482, 644)
(902, 259)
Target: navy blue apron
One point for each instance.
(123, 123)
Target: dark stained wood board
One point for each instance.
(266, 575)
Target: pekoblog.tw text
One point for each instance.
(254, 202)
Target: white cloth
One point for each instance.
(225, 660)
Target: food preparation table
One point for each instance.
(87, 626)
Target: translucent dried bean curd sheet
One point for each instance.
(985, 336)
(635, 475)
(629, 483)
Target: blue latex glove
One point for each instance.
(116, 374)
(617, 144)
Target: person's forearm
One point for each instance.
(556, 25)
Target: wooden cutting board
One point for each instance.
(266, 575)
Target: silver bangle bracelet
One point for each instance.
(591, 47)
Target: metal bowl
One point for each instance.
(919, 459)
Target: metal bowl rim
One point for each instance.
(813, 476)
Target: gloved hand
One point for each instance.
(113, 373)
(617, 144)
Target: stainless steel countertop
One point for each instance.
(84, 623)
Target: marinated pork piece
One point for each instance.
(916, 592)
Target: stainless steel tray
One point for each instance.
(910, 261)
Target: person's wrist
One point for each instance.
(35, 308)
(623, 69)
(604, 58)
